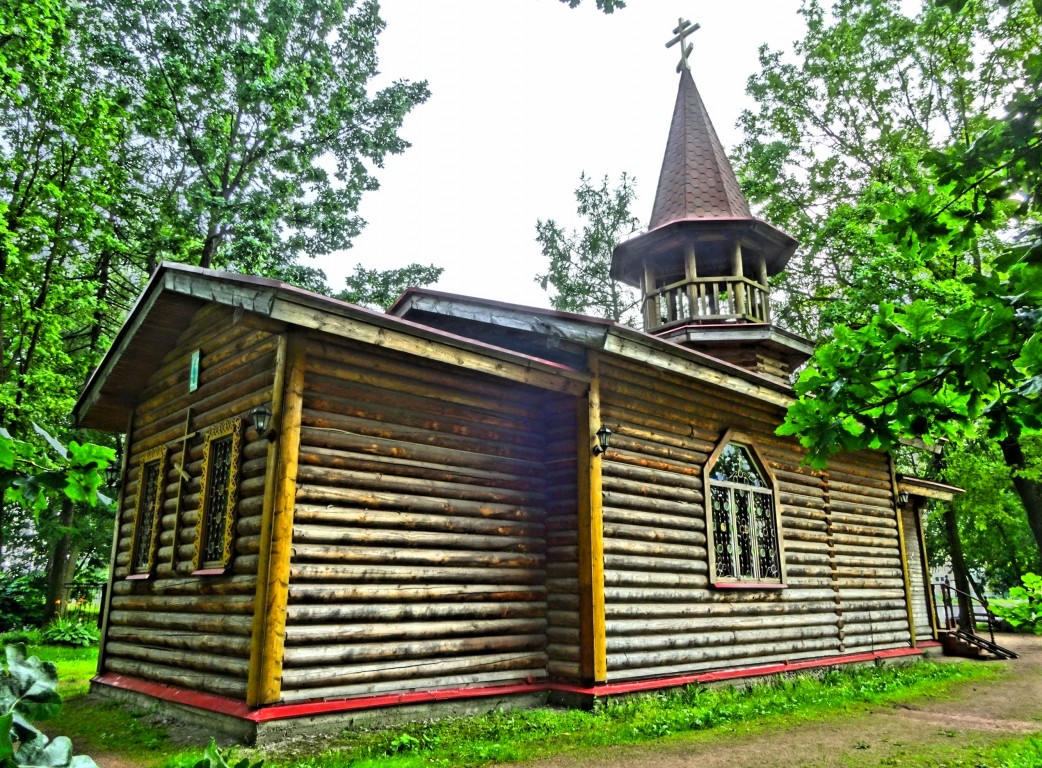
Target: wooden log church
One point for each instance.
(327, 511)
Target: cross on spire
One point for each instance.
(682, 30)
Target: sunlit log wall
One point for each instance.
(419, 539)
(839, 536)
(194, 631)
(918, 579)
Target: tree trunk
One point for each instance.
(1029, 491)
(962, 578)
(63, 562)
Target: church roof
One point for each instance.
(696, 181)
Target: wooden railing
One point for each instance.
(707, 300)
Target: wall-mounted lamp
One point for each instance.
(112, 471)
(903, 498)
(261, 418)
(603, 440)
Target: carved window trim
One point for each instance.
(768, 494)
(148, 518)
(230, 430)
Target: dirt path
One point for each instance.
(977, 715)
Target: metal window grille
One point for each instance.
(745, 535)
(147, 517)
(216, 512)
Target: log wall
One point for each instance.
(420, 530)
(921, 610)
(838, 529)
(173, 627)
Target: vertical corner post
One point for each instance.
(267, 642)
(593, 657)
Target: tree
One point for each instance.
(379, 289)
(580, 263)
(970, 364)
(233, 135)
(261, 124)
(837, 134)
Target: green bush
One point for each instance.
(64, 631)
(1024, 609)
(22, 600)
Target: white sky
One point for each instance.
(526, 95)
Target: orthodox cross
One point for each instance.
(182, 478)
(682, 30)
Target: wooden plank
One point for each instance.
(456, 352)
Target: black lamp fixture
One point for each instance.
(903, 498)
(603, 440)
(113, 472)
(261, 418)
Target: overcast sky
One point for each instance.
(525, 96)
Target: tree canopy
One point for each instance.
(924, 252)
(580, 262)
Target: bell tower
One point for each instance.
(704, 263)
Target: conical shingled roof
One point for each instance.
(696, 181)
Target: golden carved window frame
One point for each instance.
(158, 455)
(229, 428)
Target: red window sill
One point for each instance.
(748, 585)
(210, 572)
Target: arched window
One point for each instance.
(742, 517)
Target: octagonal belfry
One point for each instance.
(704, 264)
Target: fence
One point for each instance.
(83, 602)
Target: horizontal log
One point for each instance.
(685, 640)
(423, 615)
(616, 562)
(432, 540)
(433, 669)
(408, 521)
(200, 622)
(204, 662)
(534, 670)
(373, 574)
(325, 635)
(295, 658)
(413, 503)
(656, 552)
(433, 471)
(371, 366)
(625, 666)
(328, 553)
(620, 531)
(304, 593)
(760, 627)
(232, 604)
(654, 521)
(421, 436)
(479, 464)
(692, 508)
(630, 604)
(220, 645)
(207, 682)
(625, 578)
(326, 476)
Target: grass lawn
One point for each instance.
(133, 737)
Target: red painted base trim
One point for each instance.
(238, 709)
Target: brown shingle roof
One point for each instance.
(696, 181)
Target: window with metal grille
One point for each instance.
(147, 514)
(218, 495)
(743, 518)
